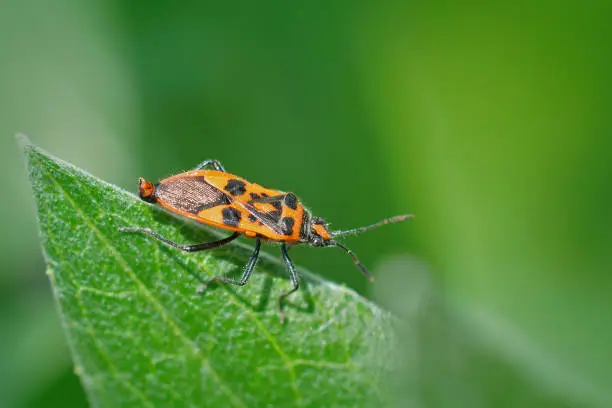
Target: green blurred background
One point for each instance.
(491, 122)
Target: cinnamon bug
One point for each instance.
(212, 196)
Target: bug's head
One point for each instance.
(146, 190)
(319, 235)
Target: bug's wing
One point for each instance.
(226, 201)
(274, 215)
(189, 194)
(236, 217)
(266, 214)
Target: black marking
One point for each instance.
(235, 187)
(277, 205)
(255, 196)
(305, 227)
(291, 201)
(252, 218)
(190, 194)
(264, 195)
(287, 225)
(272, 217)
(231, 216)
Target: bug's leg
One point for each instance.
(215, 164)
(187, 248)
(294, 279)
(246, 274)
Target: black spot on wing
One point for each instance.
(291, 201)
(252, 218)
(270, 219)
(277, 205)
(255, 196)
(231, 216)
(235, 187)
(287, 225)
(264, 195)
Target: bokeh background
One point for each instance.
(491, 122)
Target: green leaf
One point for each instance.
(140, 335)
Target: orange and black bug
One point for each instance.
(212, 196)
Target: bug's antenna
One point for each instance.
(357, 263)
(397, 218)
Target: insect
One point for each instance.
(210, 195)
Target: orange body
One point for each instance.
(230, 202)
